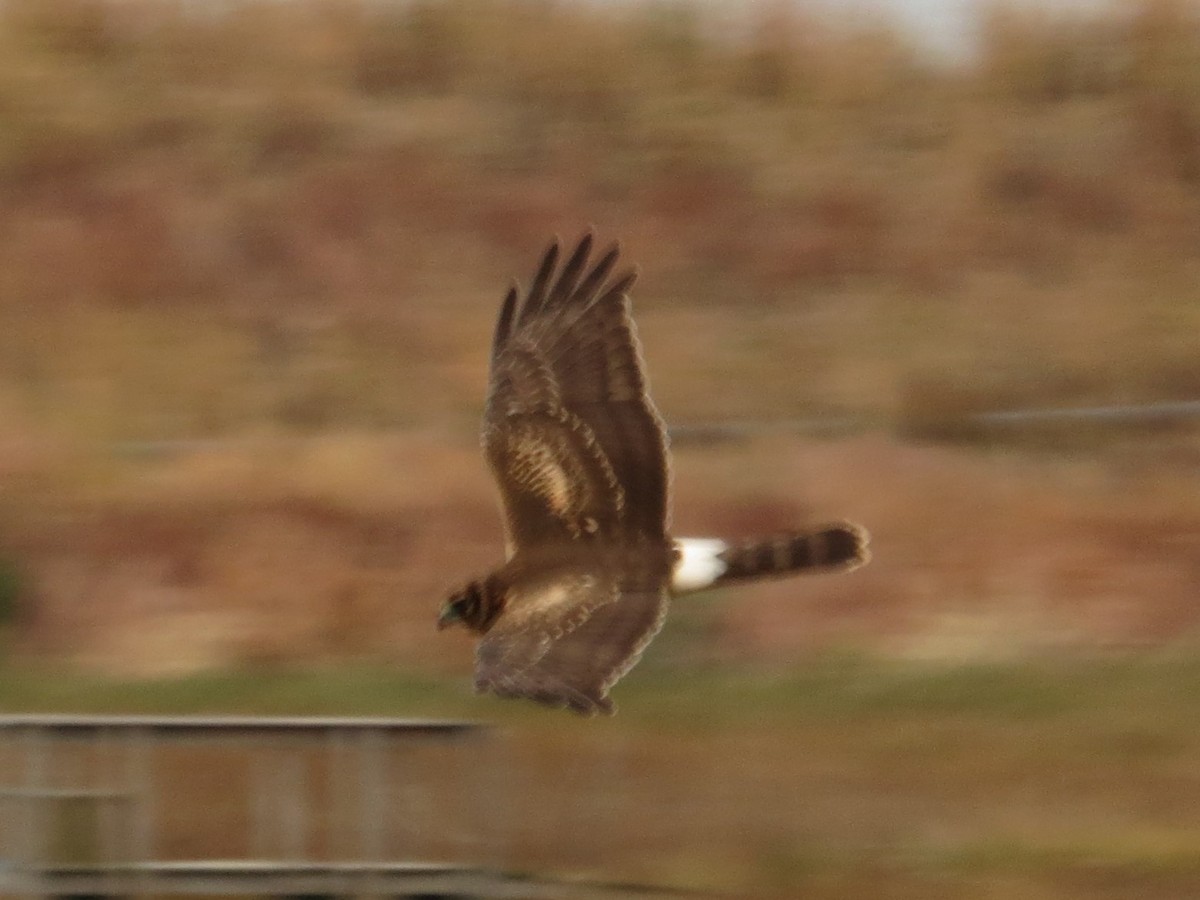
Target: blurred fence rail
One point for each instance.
(87, 802)
(1126, 414)
(699, 433)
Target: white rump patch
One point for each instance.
(698, 565)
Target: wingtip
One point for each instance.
(624, 282)
(512, 298)
(611, 252)
(591, 707)
(583, 245)
(550, 257)
(504, 321)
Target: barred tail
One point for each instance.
(832, 548)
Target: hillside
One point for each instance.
(277, 234)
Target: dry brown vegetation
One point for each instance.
(290, 215)
(285, 226)
(342, 548)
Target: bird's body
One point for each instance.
(580, 455)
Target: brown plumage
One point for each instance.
(580, 456)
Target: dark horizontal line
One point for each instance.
(1140, 412)
(234, 724)
(736, 429)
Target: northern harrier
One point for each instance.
(580, 455)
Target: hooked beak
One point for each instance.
(447, 617)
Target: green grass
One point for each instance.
(852, 687)
(842, 776)
(345, 690)
(1161, 687)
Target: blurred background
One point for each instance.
(250, 257)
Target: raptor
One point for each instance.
(580, 456)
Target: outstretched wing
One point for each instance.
(564, 642)
(577, 448)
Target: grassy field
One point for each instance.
(839, 777)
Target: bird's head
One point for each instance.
(467, 606)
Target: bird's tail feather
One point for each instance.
(830, 548)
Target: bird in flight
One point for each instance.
(580, 455)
